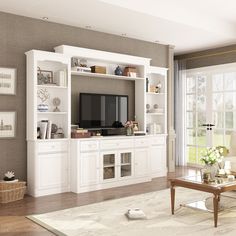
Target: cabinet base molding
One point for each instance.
(111, 185)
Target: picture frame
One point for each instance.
(44, 76)
(8, 81)
(7, 124)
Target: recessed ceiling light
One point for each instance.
(88, 27)
(45, 18)
(123, 35)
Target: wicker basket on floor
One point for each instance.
(10, 192)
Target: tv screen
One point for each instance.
(102, 110)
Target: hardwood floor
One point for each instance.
(12, 215)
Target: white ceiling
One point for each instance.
(189, 25)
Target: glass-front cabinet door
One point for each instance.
(126, 166)
(109, 165)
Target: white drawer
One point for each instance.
(141, 142)
(116, 144)
(47, 147)
(158, 141)
(86, 146)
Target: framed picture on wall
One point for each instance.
(7, 124)
(7, 81)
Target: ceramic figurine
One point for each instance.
(118, 71)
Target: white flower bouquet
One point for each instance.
(212, 155)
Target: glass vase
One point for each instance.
(212, 169)
(129, 131)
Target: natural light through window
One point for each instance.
(210, 108)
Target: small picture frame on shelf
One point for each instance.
(44, 77)
(7, 124)
(8, 81)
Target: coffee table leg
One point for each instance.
(172, 191)
(216, 204)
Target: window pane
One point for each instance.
(230, 101)
(191, 154)
(190, 102)
(190, 139)
(218, 119)
(201, 102)
(230, 81)
(190, 120)
(201, 118)
(191, 85)
(201, 82)
(218, 137)
(230, 120)
(217, 82)
(227, 138)
(199, 154)
(201, 137)
(218, 102)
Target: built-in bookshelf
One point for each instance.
(48, 95)
(156, 100)
(110, 61)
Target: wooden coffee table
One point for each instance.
(194, 182)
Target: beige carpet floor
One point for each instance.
(108, 219)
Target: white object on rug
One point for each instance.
(135, 214)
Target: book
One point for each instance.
(49, 129)
(81, 131)
(43, 129)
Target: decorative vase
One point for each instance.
(212, 169)
(43, 107)
(129, 131)
(118, 71)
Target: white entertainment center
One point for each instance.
(62, 164)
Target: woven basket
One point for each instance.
(10, 192)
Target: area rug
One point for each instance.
(107, 218)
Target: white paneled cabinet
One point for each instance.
(48, 169)
(158, 161)
(53, 171)
(116, 161)
(89, 168)
(141, 162)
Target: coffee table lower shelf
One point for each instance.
(196, 184)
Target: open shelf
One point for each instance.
(108, 165)
(52, 86)
(51, 113)
(52, 139)
(150, 93)
(155, 114)
(125, 164)
(108, 76)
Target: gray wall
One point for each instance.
(20, 34)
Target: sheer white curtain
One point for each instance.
(180, 78)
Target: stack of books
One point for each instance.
(45, 127)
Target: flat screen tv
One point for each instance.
(102, 110)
